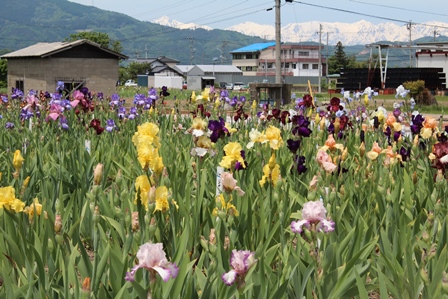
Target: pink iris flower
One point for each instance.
(313, 212)
(241, 261)
(152, 257)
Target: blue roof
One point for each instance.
(254, 47)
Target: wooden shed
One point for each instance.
(79, 63)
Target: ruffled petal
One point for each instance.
(296, 226)
(164, 273)
(326, 225)
(130, 275)
(229, 277)
(174, 269)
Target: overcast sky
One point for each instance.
(221, 14)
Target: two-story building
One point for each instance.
(247, 58)
(296, 60)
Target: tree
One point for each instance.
(3, 73)
(133, 69)
(97, 37)
(339, 59)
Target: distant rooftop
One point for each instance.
(48, 49)
(254, 47)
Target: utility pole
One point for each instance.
(409, 27)
(278, 75)
(326, 60)
(435, 34)
(320, 57)
(192, 49)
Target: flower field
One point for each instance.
(219, 197)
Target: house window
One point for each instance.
(248, 56)
(19, 85)
(315, 66)
(304, 53)
(237, 56)
(248, 68)
(305, 66)
(294, 66)
(269, 65)
(287, 65)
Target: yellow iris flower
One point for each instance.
(233, 155)
(17, 160)
(9, 201)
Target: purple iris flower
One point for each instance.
(233, 101)
(110, 125)
(9, 125)
(121, 112)
(66, 104)
(139, 99)
(330, 128)
(25, 114)
(115, 100)
(63, 123)
(56, 99)
(59, 86)
(164, 92)
(405, 154)
(397, 112)
(100, 96)
(47, 95)
(85, 91)
(397, 136)
(417, 123)
(132, 113)
(4, 99)
(16, 93)
(388, 132)
(218, 128)
(293, 145)
(301, 168)
(301, 126)
(152, 93)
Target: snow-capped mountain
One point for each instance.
(358, 33)
(166, 21)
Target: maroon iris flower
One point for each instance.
(240, 114)
(96, 125)
(335, 105)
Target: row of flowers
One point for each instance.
(323, 146)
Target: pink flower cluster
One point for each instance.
(313, 212)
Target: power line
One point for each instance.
(400, 8)
(365, 14)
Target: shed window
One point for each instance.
(20, 85)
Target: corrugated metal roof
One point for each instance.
(219, 68)
(254, 47)
(183, 68)
(45, 49)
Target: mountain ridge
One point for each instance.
(350, 34)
